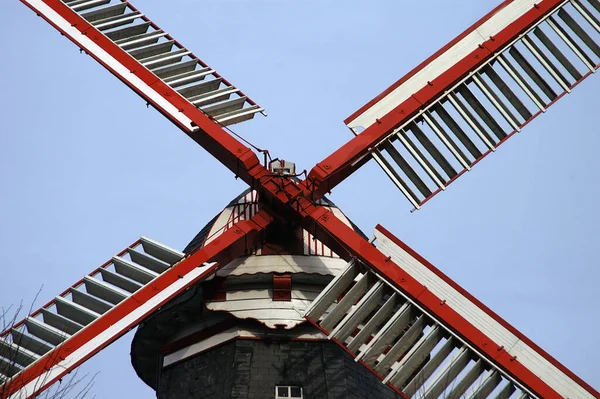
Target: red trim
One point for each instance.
(487, 310)
(426, 62)
(343, 162)
(336, 235)
(433, 194)
(224, 147)
(282, 287)
(178, 44)
(68, 290)
(228, 246)
(283, 198)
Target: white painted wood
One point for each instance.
(526, 355)
(85, 42)
(311, 246)
(219, 226)
(283, 264)
(265, 310)
(236, 296)
(201, 346)
(443, 62)
(233, 333)
(110, 333)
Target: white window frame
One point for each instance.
(289, 392)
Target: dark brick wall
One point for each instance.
(250, 369)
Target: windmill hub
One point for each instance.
(282, 168)
(252, 310)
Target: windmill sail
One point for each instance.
(147, 59)
(443, 117)
(408, 342)
(105, 304)
(162, 71)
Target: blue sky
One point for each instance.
(86, 168)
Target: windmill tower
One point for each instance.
(410, 195)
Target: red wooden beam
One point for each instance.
(239, 240)
(488, 311)
(343, 162)
(224, 147)
(349, 244)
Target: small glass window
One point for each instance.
(291, 392)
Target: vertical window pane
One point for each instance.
(295, 392)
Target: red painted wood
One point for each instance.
(224, 147)
(426, 62)
(231, 244)
(284, 199)
(487, 310)
(334, 233)
(282, 287)
(344, 161)
(433, 194)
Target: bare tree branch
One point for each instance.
(14, 358)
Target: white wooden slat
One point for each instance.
(16, 353)
(332, 291)
(464, 382)
(443, 62)
(414, 358)
(60, 322)
(446, 376)
(30, 343)
(383, 314)
(102, 290)
(400, 348)
(45, 332)
(358, 312)
(91, 302)
(487, 385)
(149, 262)
(572, 44)
(75, 312)
(480, 319)
(429, 368)
(339, 311)
(392, 329)
(160, 251)
(133, 271)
